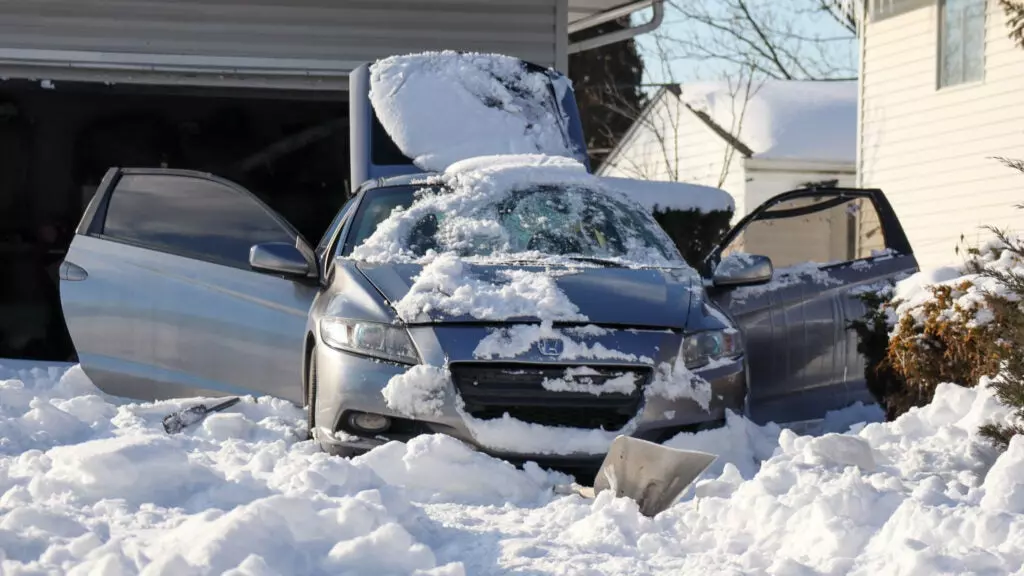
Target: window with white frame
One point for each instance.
(961, 41)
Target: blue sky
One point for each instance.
(795, 15)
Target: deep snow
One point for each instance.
(92, 484)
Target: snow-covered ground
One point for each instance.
(90, 484)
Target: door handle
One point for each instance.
(72, 272)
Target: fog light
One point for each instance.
(370, 423)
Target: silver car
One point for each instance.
(183, 284)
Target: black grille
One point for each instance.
(492, 390)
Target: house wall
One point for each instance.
(930, 150)
(273, 43)
(672, 144)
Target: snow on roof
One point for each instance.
(442, 107)
(784, 119)
(675, 195)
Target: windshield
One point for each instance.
(542, 220)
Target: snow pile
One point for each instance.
(784, 119)
(442, 107)
(419, 391)
(655, 195)
(243, 493)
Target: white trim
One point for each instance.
(756, 164)
(562, 36)
(175, 62)
(176, 69)
(862, 42)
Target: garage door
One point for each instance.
(304, 44)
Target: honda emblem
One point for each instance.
(550, 346)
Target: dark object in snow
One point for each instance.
(178, 421)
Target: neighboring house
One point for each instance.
(942, 93)
(752, 142)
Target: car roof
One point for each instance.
(400, 180)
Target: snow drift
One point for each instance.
(91, 484)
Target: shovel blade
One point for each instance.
(651, 474)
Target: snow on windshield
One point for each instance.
(526, 207)
(441, 107)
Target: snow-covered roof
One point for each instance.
(676, 195)
(782, 119)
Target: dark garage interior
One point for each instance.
(57, 141)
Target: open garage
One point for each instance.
(251, 91)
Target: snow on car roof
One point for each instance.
(442, 107)
(784, 119)
(672, 195)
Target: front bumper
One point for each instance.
(350, 383)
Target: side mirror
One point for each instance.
(742, 270)
(278, 257)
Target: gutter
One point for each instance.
(658, 7)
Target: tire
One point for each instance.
(311, 396)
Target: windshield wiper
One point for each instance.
(595, 260)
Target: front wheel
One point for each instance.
(311, 393)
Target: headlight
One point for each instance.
(703, 347)
(369, 338)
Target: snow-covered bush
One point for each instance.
(955, 324)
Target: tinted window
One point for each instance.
(192, 217)
(332, 230)
(376, 206)
(818, 229)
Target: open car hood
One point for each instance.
(627, 297)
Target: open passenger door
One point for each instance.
(179, 284)
(826, 247)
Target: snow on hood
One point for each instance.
(450, 290)
(784, 119)
(90, 484)
(481, 265)
(441, 107)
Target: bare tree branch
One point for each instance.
(798, 39)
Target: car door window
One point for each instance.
(190, 216)
(337, 224)
(822, 230)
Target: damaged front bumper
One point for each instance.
(349, 385)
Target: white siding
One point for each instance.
(672, 144)
(275, 43)
(931, 150)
